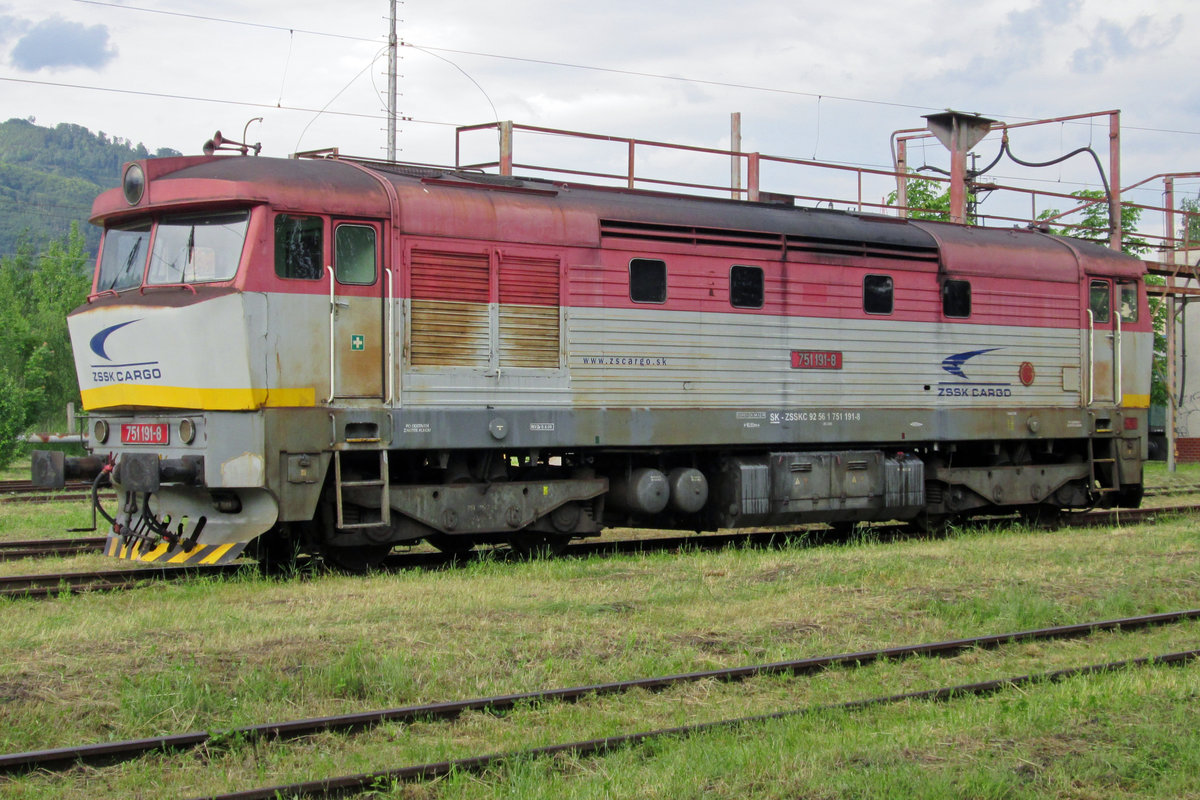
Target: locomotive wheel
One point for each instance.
(538, 545)
(451, 545)
(276, 550)
(843, 530)
(357, 559)
(934, 525)
(1042, 515)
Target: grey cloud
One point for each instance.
(1035, 20)
(57, 42)
(1020, 41)
(12, 26)
(1114, 42)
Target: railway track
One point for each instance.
(55, 584)
(343, 785)
(23, 491)
(40, 548)
(112, 752)
(26, 487)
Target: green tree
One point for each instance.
(37, 368)
(1094, 223)
(930, 200)
(1189, 229)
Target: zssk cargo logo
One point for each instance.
(136, 372)
(956, 366)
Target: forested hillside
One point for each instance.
(49, 177)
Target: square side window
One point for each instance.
(299, 248)
(877, 294)
(956, 298)
(647, 280)
(354, 256)
(746, 287)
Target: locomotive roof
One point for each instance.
(444, 202)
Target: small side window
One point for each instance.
(647, 280)
(1129, 302)
(877, 294)
(746, 287)
(1099, 302)
(956, 298)
(299, 248)
(354, 254)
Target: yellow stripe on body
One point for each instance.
(1136, 401)
(137, 394)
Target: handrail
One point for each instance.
(1091, 357)
(391, 338)
(332, 312)
(859, 197)
(1118, 386)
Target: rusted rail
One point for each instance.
(54, 584)
(40, 548)
(110, 752)
(352, 784)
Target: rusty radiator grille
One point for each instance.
(457, 332)
(528, 318)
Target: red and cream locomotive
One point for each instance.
(344, 356)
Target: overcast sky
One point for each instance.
(811, 78)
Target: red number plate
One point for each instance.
(144, 433)
(816, 359)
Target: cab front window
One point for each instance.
(124, 258)
(197, 248)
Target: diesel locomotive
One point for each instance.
(340, 356)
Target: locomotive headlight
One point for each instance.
(134, 184)
(100, 431)
(187, 431)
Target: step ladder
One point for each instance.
(1103, 470)
(381, 481)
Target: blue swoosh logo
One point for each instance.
(97, 341)
(954, 363)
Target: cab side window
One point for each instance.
(299, 247)
(1129, 302)
(1098, 301)
(355, 254)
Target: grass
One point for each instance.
(217, 653)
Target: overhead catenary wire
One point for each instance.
(430, 49)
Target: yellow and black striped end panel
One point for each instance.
(164, 553)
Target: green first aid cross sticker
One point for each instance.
(358, 341)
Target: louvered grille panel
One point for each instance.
(454, 333)
(437, 276)
(528, 319)
(529, 336)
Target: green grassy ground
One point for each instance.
(212, 654)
